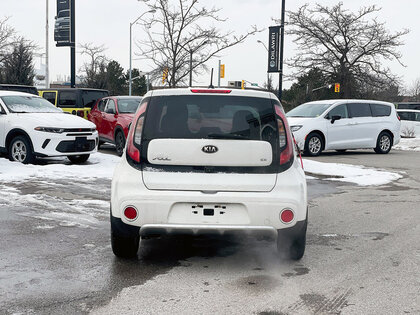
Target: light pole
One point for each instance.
(131, 26)
(283, 10)
(191, 51)
(47, 70)
(268, 74)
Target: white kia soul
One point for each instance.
(203, 161)
(345, 124)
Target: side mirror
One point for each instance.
(334, 118)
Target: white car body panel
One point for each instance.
(229, 152)
(347, 133)
(27, 122)
(254, 209)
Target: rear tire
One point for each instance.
(314, 144)
(20, 150)
(384, 143)
(78, 159)
(125, 239)
(119, 142)
(291, 243)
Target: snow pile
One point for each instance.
(359, 175)
(99, 165)
(408, 144)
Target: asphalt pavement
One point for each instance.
(362, 257)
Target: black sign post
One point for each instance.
(64, 32)
(273, 49)
(73, 44)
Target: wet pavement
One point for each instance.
(56, 256)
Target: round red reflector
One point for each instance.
(130, 213)
(286, 215)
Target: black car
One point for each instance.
(19, 88)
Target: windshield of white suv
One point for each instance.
(309, 110)
(210, 117)
(29, 104)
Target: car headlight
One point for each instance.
(295, 128)
(50, 129)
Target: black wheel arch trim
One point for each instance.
(17, 132)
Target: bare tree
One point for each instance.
(347, 46)
(94, 71)
(178, 31)
(7, 38)
(414, 90)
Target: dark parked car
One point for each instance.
(19, 88)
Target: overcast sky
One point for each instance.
(107, 22)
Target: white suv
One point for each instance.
(202, 161)
(345, 124)
(30, 127)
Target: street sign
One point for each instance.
(222, 71)
(273, 49)
(337, 88)
(254, 84)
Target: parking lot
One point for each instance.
(362, 253)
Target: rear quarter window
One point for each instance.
(67, 99)
(379, 110)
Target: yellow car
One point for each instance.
(78, 101)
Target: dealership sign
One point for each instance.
(273, 49)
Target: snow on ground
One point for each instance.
(99, 165)
(359, 175)
(408, 144)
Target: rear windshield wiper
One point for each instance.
(226, 136)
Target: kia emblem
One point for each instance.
(209, 149)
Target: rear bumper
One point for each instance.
(126, 230)
(206, 229)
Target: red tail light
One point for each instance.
(211, 91)
(285, 136)
(134, 135)
(286, 216)
(130, 213)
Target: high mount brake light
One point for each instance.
(285, 136)
(211, 91)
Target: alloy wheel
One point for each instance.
(19, 151)
(385, 143)
(314, 145)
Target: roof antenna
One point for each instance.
(211, 80)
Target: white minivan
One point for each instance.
(204, 161)
(345, 124)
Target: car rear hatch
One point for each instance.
(210, 143)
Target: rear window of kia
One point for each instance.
(214, 117)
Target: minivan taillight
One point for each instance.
(285, 137)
